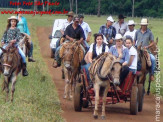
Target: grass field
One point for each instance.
(36, 97)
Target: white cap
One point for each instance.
(144, 21)
(131, 22)
(118, 36)
(110, 18)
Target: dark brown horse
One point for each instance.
(145, 69)
(71, 54)
(11, 67)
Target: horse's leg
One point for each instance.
(149, 85)
(97, 90)
(13, 79)
(67, 84)
(104, 101)
(6, 86)
(63, 74)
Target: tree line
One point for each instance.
(152, 8)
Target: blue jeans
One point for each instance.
(133, 70)
(57, 57)
(86, 67)
(30, 53)
(153, 61)
(86, 44)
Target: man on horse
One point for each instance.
(108, 31)
(74, 32)
(145, 38)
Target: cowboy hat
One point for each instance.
(118, 36)
(11, 18)
(144, 21)
(110, 18)
(131, 22)
(70, 13)
(121, 16)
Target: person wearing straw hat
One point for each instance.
(87, 30)
(23, 27)
(108, 31)
(67, 22)
(131, 32)
(119, 50)
(121, 26)
(145, 37)
(11, 37)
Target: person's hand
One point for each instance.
(146, 47)
(88, 39)
(111, 41)
(71, 39)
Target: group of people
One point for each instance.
(12, 35)
(117, 38)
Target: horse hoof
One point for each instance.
(103, 117)
(148, 93)
(95, 116)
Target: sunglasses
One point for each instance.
(70, 16)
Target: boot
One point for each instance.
(30, 59)
(25, 72)
(55, 64)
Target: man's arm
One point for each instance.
(89, 37)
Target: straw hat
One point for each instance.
(118, 36)
(70, 13)
(110, 18)
(144, 21)
(11, 18)
(131, 22)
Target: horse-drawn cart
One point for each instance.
(129, 90)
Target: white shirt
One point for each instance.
(86, 29)
(129, 33)
(133, 51)
(65, 24)
(98, 49)
(120, 29)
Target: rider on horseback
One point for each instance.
(74, 32)
(11, 37)
(145, 37)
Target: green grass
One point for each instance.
(36, 98)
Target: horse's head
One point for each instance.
(154, 47)
(115, 70)
(8, 60)
(67, 53)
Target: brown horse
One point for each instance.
(100, 72)
(11, 67)
(71, 54)
(145, 69)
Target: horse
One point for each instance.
(101, 70)
(71, 55)
(24, 43)
(145, 69)
(11, 67)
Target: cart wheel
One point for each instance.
(141, 97)
(134, 100)
(85, 104)
(51, 54)
(78, 97)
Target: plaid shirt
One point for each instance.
(109, 33)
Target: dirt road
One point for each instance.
(114, 113)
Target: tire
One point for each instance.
(78, 97)
(85, 104)
(134, 101)
(140, 97)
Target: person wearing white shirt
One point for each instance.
(87, 30)
(67, 22)
(133, 57)
(131, 32)
(95, 50)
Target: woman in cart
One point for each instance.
(120, 49)
(95, 49)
